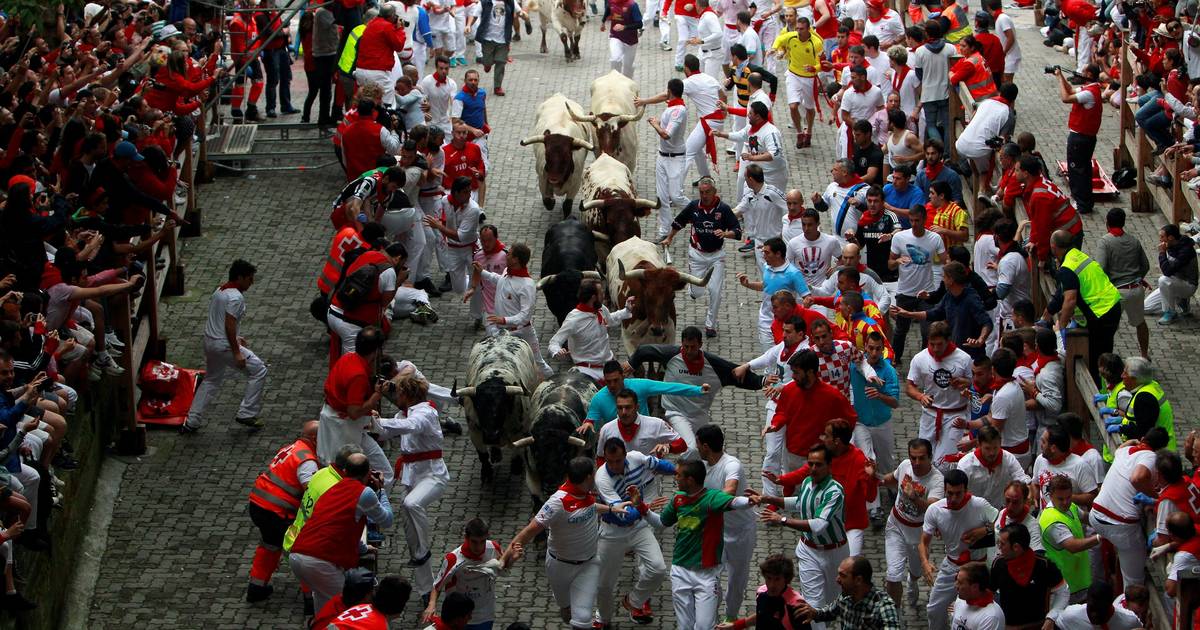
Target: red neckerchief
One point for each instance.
(1027, 360)
(898, 78)
(867, 219)
(982, 601)
(1081, 447)
(523, 272)
(466, 550)
(497, 247)
(1042, 361)
(931, 172)
(1139, 447)
(708, 10)
(627, 434)
(468, 90)
(1116, 231)
(754, 128)
(228, 285)
(1020, 569)
(439, 81)
(675, 102)
(992, 465)
(854, 180)
(438, 624)
(1055, 461)
(573, 500)
(693, 367)
(966, 500)
(950, 348)
(588, 308)
(786, 353)
(1008, 518)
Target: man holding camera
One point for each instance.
(983, 134)
(377, 48)
(1084, 124)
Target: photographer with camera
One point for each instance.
(369, 137)
(1084, 124)
(377, 48)
(983, 135)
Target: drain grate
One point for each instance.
(233, 140)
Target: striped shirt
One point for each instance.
(613, 487)
(823, 504)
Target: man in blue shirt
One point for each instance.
(23, 478)
(777, 274)
(603, 408)
(900, 195)
(874, 404)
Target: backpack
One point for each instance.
(353, 289)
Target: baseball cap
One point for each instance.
(166, 32)
(983, 17)
(127, 150)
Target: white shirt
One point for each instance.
(729, 468)
(990, 484)
(950, 525)
(473, 578)
(1013, 270)
(1116, 493)
(440, 97)
(813, 258)
(1076, 616)
(420, 432)
(1074, 467)
(766, 140)
(1008, 404)
(967, 617)
(773, 363)
(1185, 563)
(612, 488)
(650, 432)
(923, 252)
(1004, 23)
(889, 30)
(1030, 522)
(710, 32)
(703, 91)
(573, 530)
(834, 196)
(790, 228)
(1094, 459)
(514, 298)
(753, 44)
(674, 122)
(495, 32)
(871, 288)
(853, 9)
(695, 408)
(934, 377)
(985, 252)
(439, 21)
(908, 91)
(990, 118)
(587, 337)
(935, 488)
(225, 302)
(764, 210)
(862, 105)
(464, 221)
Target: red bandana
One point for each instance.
(982, 601)
(992, 465)
(898, 78)
(466, 550)
(786, 353)
(588, 308)
(1009, 518)
(440, 80)
(693, 367)
(966, 500)
(675, 102)
(1139, 447)
(627, 434)
(228, 285)
(576, 498)
(1081, 447)
(1043, 360)
(931, 172)
(519, 273)
(1055, 461)
(950, 348)
(495, 248)
(1116, 231)
(1020, 569)
(754, 128)
(470, 90)
(868, 218)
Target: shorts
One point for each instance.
(800, 90)
(444, 39)
(1133, 302)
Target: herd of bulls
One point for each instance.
(506, 406)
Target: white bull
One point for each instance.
(560, 147)
(566, 17)
(636, 267)
(610, 206)
(612, 112)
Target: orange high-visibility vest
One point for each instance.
(279, 488)
(345, 240)
(973, 71)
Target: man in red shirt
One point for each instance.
(805, 406)
(387, 603)
(380, 40)
(351, 393)
(1049, 209)
(993, 50)
(463, 159)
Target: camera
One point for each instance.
(1050, 69)
(994, 143)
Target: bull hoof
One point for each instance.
(548, 202)
(544, 50)
(495, 453)
(516, 465)
(568, 203)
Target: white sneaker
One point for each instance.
(113, 341)
(108, 367)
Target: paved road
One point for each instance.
(181, 542)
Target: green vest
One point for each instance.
(1114, 392)
(350, 50)
(1166, 417)
(1076, 568)
(321, 481)
(1095, 289)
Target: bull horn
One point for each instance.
(545, 280)
(591, 118)
(581, 144)
(523, 442)
(592, 204)
(632, 117)
(646, 203)
(515, 390)
(593, 275)
(465, 392)
(700, 282)
(599, 236)
(575, 441)
(624, 275)
(533, 140)
(454, 388)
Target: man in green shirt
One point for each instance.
(698, 514)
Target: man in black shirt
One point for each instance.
(712, 222)
(874, 233)
(1027, 585)
(960, 307)
(867, 156)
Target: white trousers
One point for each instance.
(941, 595)
(460, 33)
(664, 21)
(948, 444)
(416, 500)
(336, 432)
(218, 365)
(382, 78)
(877, 443)
(685, 29)
(27, 483)
(710, 63)
(435, 245)
(325, 578)
(698, 264)
(773, 457)
(669, 175)
(530, 336)
(347, 333)
(696, 594)
(404, 226)
(736, 555)
(817, 570)
(1130, 543)
(406, 301)
(574, 587)
(694, 146)
(686, 428)
(621, 56)
(458, 265)
(903, 559)
(1171, 295)
(615, 542)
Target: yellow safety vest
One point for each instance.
(1076, 568)
(1166, 416)
(321, 481)
(1095, 289)
(350, 50)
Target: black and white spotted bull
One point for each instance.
(636, 267)
(611, 116)
(568, 256)
(501, 375)
(558, 408)
(560, 147)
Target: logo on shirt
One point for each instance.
(942, 377)
(918, 255)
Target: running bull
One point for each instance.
(558, 408)
(612, 112)
(610, 205)
(501, 374)
(568, 256)
(560, 148)
(636, 267)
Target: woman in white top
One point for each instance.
(902, 146)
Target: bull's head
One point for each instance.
(655, 290)
(562, 290)
(550, 445)
(493, 401)
(608, 128)
(621, 216)
(559, 152)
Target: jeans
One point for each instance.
(908, 303)
(937, 119)
(277, 64)
(1080, 149)
(320, 83)
(1151, 118)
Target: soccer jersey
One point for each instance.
(613, 487)
(699, 538)
(825, 503)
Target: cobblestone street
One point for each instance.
(181, 542)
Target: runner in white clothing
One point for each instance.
(439, 90)
(917, 484)
(1117, 509)
(515, 295)
(1057, 460)
(976, 608)
(813, 251)
(585, 329)
(644, 434)
(990, 468)
(688, 414)
(704, 92)
(763, 147)
(727, 474)
(776, 373)
(471, 568)
(936, 376)
(710, 37)
(670, 168)
(959, 520)
(1098, 612)
(761, 211)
